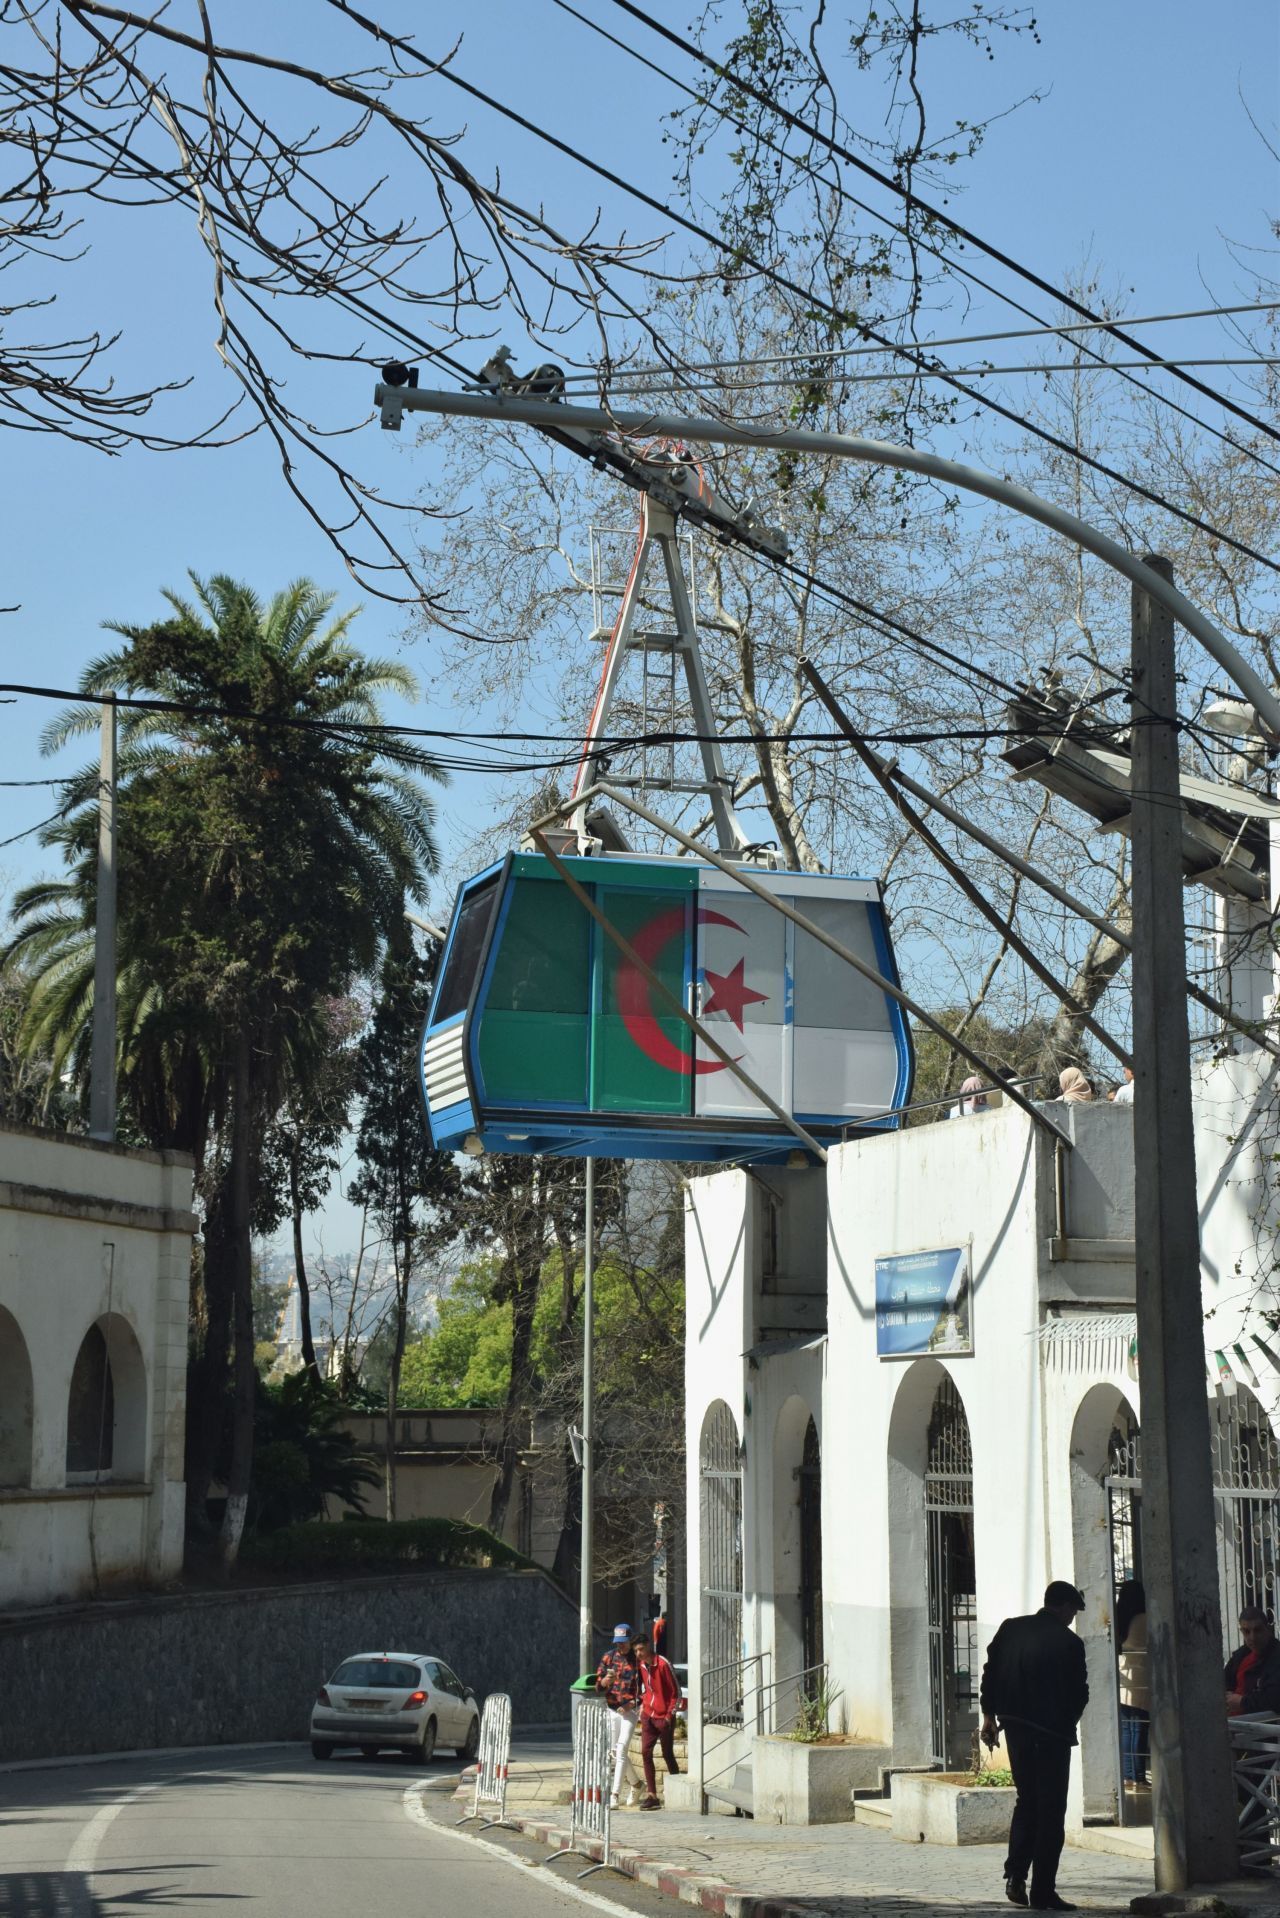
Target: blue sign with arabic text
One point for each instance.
(924, 1304)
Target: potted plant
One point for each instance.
(808, 1774)
(953, 1808)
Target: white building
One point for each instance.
(95, 1262)
(879, 1483)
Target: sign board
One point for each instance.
(924, 1304)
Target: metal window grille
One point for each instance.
(952, 1610)
(720, 1531)
(1246, 1484)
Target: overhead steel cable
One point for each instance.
(1067, 331)
(913, 199)
(953, 265)
(811, 299)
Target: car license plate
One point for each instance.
(367, 1704)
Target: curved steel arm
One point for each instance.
(908, 459)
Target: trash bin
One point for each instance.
(583, 1688)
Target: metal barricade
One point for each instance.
(494, 1761)
(592, 1779)
(1255, 1758)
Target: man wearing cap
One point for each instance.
(620, 1683)
(1034, 1684)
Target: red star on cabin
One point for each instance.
(730, 993)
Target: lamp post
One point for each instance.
(586, 1663)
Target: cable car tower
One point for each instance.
(597, 1001)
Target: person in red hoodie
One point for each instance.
(657, 1717)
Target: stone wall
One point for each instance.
(237, 1667)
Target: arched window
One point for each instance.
(107, 1405)
(15, 1403)
(720, 1532)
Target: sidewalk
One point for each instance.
(749, 1870)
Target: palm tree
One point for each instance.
(270, 831)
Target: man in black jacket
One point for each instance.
(1252, 1677)
(1034, 1683)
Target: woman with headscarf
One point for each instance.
(1135, 1689)
(1073, 1087)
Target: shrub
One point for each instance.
(363, 1545)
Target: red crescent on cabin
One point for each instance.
(632, 989)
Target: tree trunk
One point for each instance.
(300, 1265)
(1103, 959)
(241, 1245)
(207, 1375)
(524, 1299)
(393, 1376)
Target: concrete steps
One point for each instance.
(876, 1812)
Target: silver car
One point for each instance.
(403, 1701)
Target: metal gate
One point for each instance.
(811, 1549)
(948, 1500)
(1246, 1498)
(720, 1533)
(1246, 1494)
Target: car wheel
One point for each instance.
(472, 1745)
(320, 1750)
(425, 1750)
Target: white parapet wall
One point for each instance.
(95, 1260)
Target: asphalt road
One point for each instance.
(258, 1831)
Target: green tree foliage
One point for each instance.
(302, 1455)
(267, 844)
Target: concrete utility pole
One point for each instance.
(102, 1077)
(586, 1662)
(1194, 1808)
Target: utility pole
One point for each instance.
(102, 1077)
(1194, 1806)
(586, 1663)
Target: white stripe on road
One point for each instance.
(83, 1855)
(415, 1809)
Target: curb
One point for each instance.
(672, 1881)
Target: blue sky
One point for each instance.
(1140, 159)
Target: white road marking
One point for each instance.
(415, 1809)
(83, 1855)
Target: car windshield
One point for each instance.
(376, 1674)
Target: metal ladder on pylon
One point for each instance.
(664, 653)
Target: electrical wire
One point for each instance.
(812, 299)
(839, 151)
(1067, 331)
(955, 266)
(584, 387)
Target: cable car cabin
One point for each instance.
(542, 1036)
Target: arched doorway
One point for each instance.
(15, 1403)
(1106, 1499)
(951, 1581)
(720, 1540)
(811, 1549)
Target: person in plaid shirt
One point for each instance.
(619, 1683)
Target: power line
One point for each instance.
(811, 298)
(840, 151)
(1070, 328)
(581, 386)
(955, 266)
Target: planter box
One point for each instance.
(812, 1784)
(943, 1808)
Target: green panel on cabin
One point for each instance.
(641, 1057)
(535, 1026)
(679, 877)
